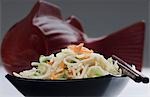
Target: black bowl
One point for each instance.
(107, 86)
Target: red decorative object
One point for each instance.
(44, 31)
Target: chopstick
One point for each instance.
(129, 71)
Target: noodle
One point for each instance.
(74, 62)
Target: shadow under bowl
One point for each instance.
(107, 86)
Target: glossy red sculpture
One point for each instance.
(44, 31)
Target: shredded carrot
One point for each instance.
(53, 76)
(50, 62)
(79, 48)
(70, 72)
(62, 65)
(86, 50)
(76, 48)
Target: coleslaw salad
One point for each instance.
(73, 62)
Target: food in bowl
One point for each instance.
(32, 42)
(73, 62)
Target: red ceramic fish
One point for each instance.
(44, 31)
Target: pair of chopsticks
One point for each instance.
(130, 72)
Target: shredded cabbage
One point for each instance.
(73, 62)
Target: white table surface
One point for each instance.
(131, 90)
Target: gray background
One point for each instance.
(99, 17)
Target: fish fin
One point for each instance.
(127, 43)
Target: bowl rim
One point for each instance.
(68, 80)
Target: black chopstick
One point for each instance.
(129, 71)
